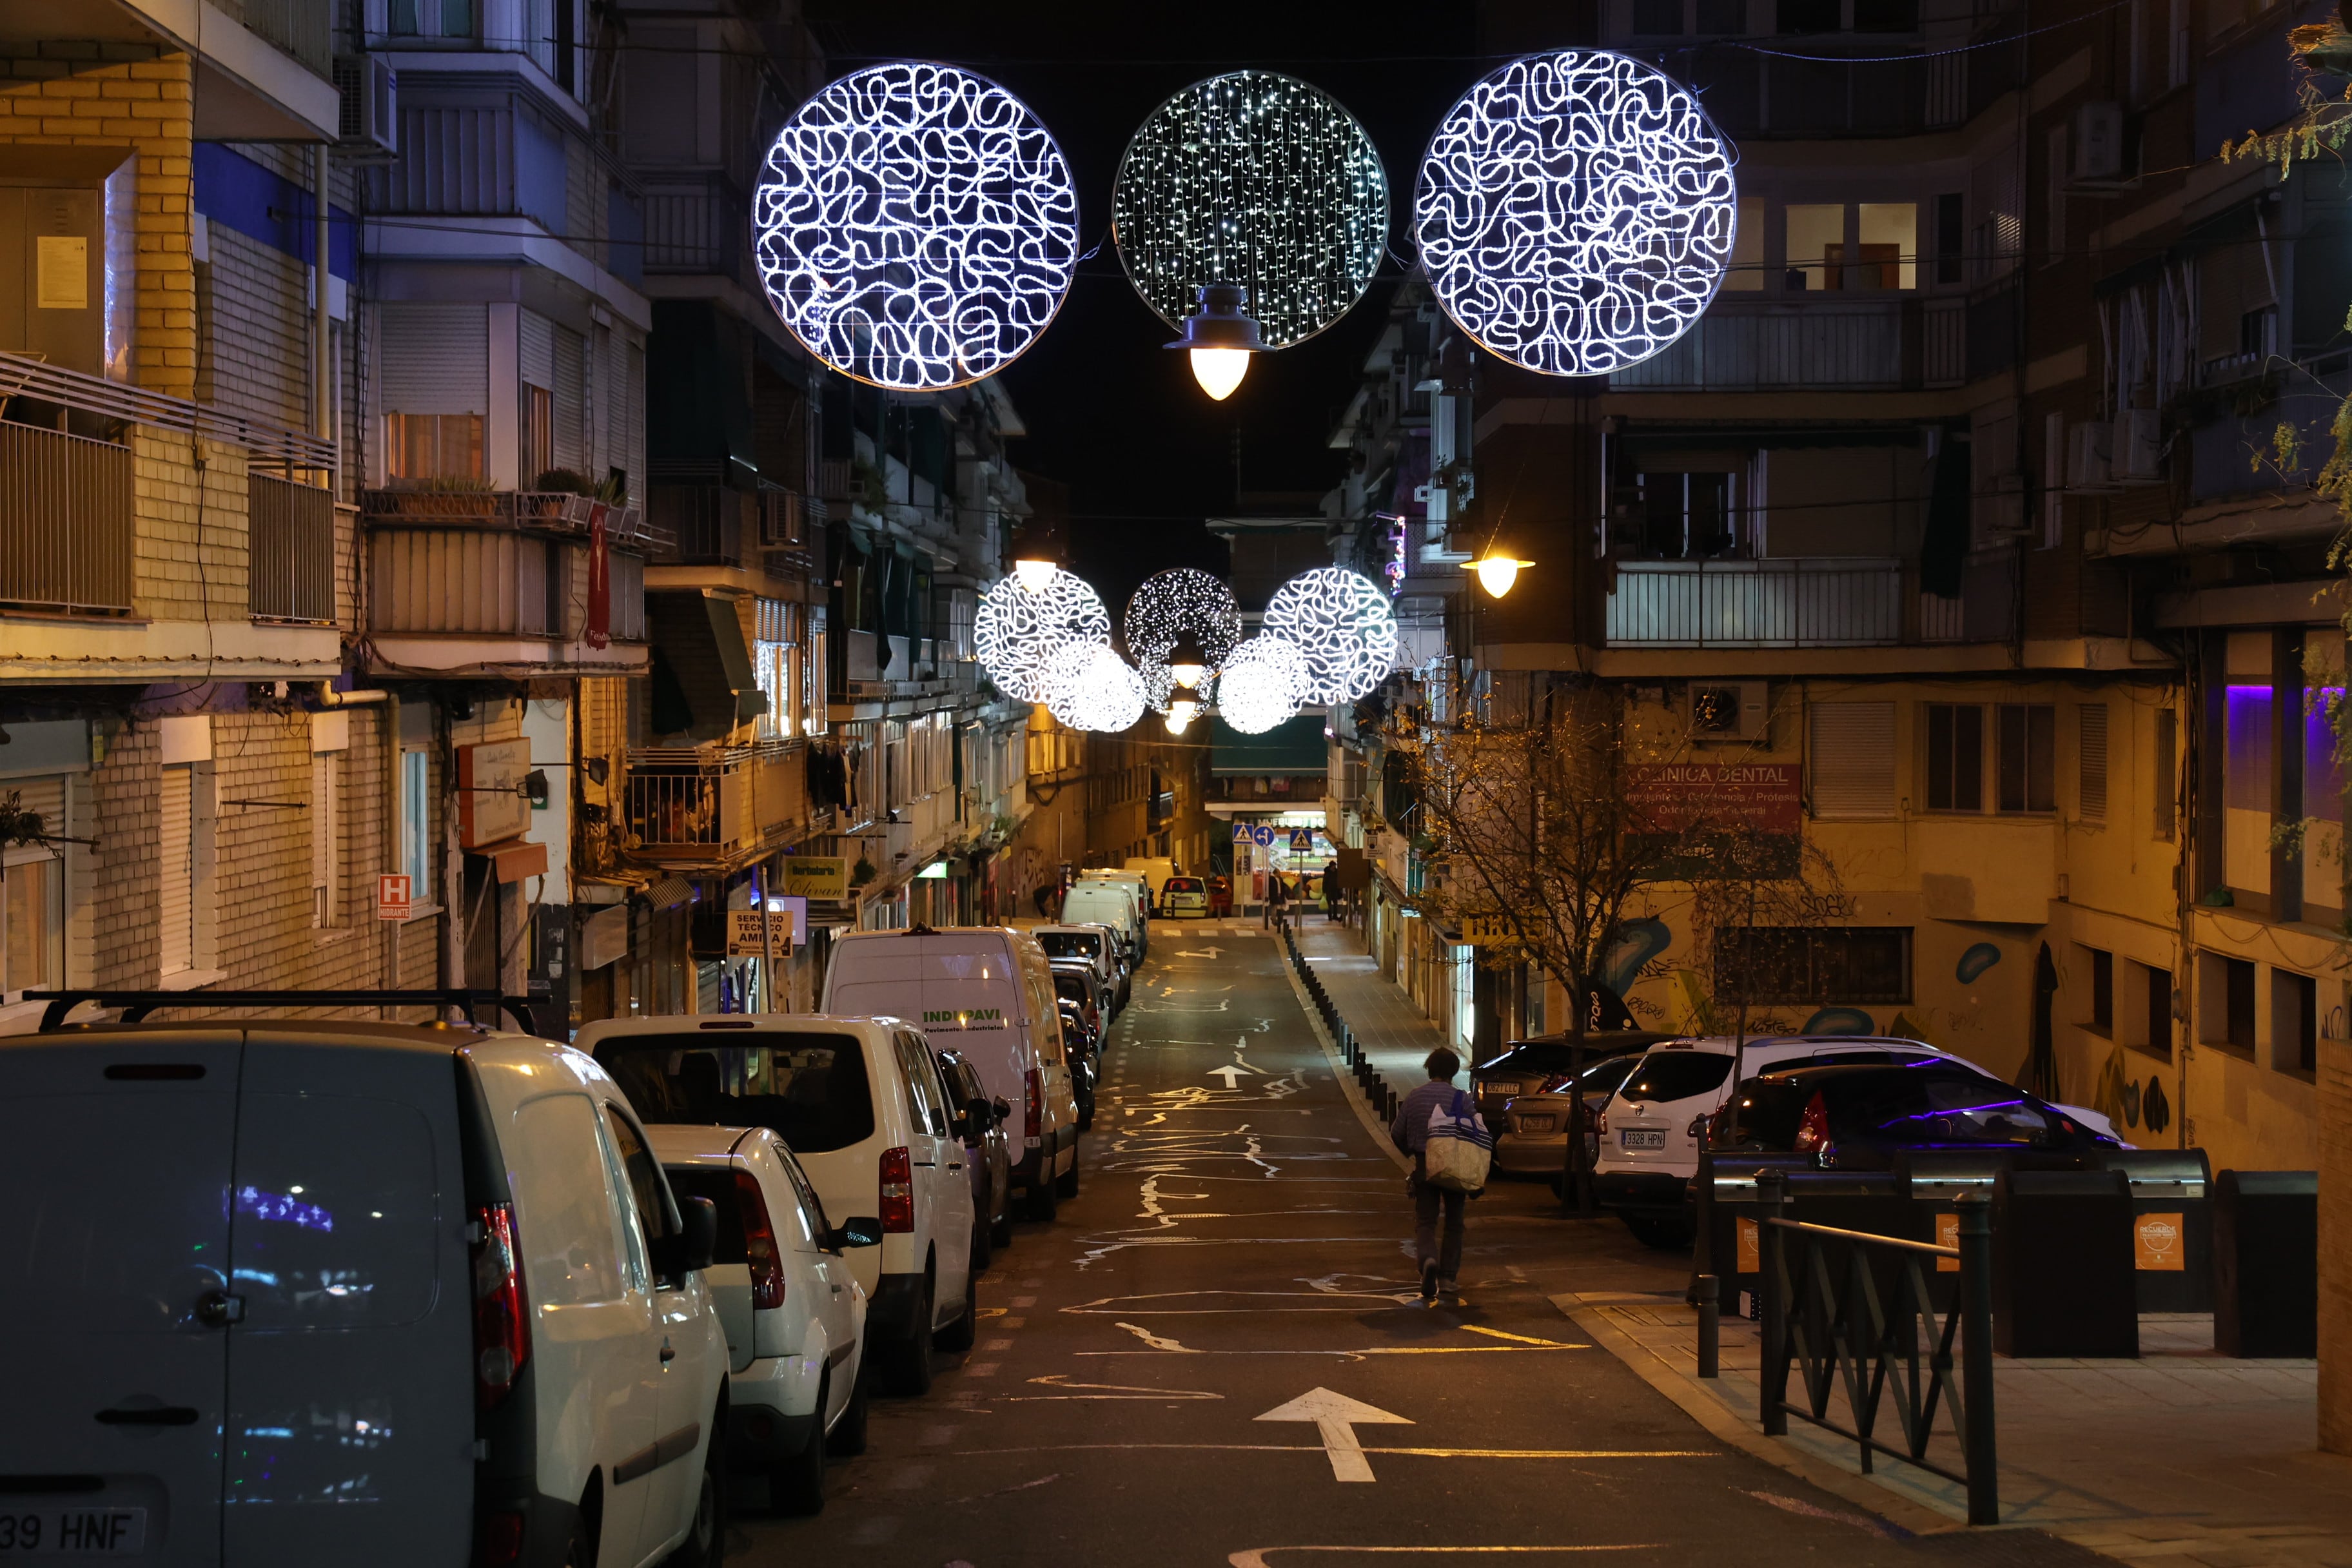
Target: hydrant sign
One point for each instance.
(393, 896)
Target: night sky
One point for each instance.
(1109, 410)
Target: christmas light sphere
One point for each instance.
(1018, 629)
(1260, 685)
(1341, 622)
(1575, 212)
(1089, 686)
(915, 226)
(1256, 179)
(1167, 606)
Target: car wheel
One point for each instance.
(1662, 1233)
(1067, 1187)
(849, 1432)
(910, 1358)
(705, 1540)
(796, 1485)
(959, 1335)
(1042, 1204)
(981, 1252)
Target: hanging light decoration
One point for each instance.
(1018, 629)
(1181, 714)
(1498, 572)
(1034, 572)
(1089, 686)
(1220, 338)
(1262, 684)
(1258, 180)
(1575, 212)
(1180, 625)
(915, 226)
(1342, 625)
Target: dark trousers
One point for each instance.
(1426, 1201)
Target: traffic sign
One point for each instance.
(392, 895)
(1302, 838)
(1263, 836)
(1242, 834)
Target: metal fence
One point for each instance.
(291, 564)
(1794, 603)
(65, 520)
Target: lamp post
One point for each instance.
(1220, 338)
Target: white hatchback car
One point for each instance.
(790, 1301)
(859, 1103)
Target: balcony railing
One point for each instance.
(291, 564)
(1829, 602)
(696, 225)
(267, 446)
(502, 564)
(65, 522)
(704, 524)
(538, 511)
(708, 803)
(297, 26)
(1742, 345)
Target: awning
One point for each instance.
(669, 892)
(514, 859)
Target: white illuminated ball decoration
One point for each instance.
(1343, 627)
(1575, 212)
(915, 226)
(1262, 684)
(1089, 687)
(1257, 179)
(1018, 629)
(1167, 604)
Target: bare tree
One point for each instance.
(1760, 903)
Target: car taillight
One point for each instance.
(1601, 1123)
(1551, 1085)
(502, 1537)
(898, 1191)
(1813, 1132)
(759, 1244)
(1032, 1094)
(501, 1329)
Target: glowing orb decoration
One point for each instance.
(1018, 629)
(1168, 604)
(1256, 179)
(1575, 212)
(1089, 687)
(915, 226)
(1341, 622)
(1260, 685)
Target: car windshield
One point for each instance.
(1070, 944)
(1662, 1076)
(811, 1089)
(718, 1186)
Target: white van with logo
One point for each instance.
(986, 992)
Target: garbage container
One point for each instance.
(1934, 1180)
(1726, 1221)
(2266, 1263)
(2172, 1227)
(2062, 1264)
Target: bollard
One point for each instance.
(1710, 1324)
(1772, 1384)
(1982, 1456)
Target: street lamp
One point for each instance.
(1187, 665)
(1222, 338)
(1181, 712)
(1034, 572)
(1498, 572)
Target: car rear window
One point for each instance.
(718, 1186)
(1070, 944)
(1675, 1075)
(1183, 885)
(811, 1089)
(1072, 986)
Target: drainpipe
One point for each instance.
(324, 382)
(331, 697)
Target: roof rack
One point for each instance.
(137, 1004)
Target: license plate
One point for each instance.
(90, 1531)
(1534, 1125)
(1642, 1138)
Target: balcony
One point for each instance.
(1829, 602)
(706, 524)
(290, 530)
(715, 807)
(65, 522)
(695, 224)
(1883, 344)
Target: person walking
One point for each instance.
(1441, 1268)
(1274, 896)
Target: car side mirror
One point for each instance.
(690, 1248)
(1003, 1112)
(861, 1231)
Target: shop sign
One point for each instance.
(820, 876)
(1489, 930)
(1706, 815)
(747, 934)
(491, 806)
(1948, 1234)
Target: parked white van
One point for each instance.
(988, 993)
(1100, 901)
(859, 1103)
(351, 1293)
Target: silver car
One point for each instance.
(1532, 1137)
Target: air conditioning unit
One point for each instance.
(369, 90)
(2135, 453)
(2087, 450)
(1725, 711)
(2099, 142)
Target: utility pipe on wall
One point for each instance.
(322, 380)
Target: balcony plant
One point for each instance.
(447, 495)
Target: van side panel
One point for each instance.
(350, 1376)
(964, 989)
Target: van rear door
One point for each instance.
(117, 1154)
(351, 1411)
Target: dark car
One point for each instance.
(1855, 1118)
(1538, 1066)
(1082, 1059)
(988, 1154)
(1075, 981)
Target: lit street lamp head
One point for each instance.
(1222, 338)
(1498, 572)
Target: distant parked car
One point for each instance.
(1540, 1065)
(1074, 981)
(1532, 1139)
(1183, 896)
(1858, 1118)
(1082, 1059)
(790, 1301)
(1095, 944)
(988, 1151)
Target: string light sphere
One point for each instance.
(1260, 685)
(1343, 627)
(1575, 212)
(915, 226)
(1018, 629)
(1258, 179)
(1089, 687)
(1168, 604)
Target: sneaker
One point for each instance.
(1429, 1281)
(1449, 1289)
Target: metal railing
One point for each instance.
(540, 512)
(1794, 603)
(270, 446)
(1893, 1353)
(291, 562)
(300, 28)
(703, 804)
(65, 522)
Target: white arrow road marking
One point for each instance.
(1212, 951)
(1233, 1073)
(1336, 1416)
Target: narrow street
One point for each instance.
(1241, 1245)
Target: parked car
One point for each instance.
(1183, 896)
(1096, 944)
(1538, 1065)
(1532, 1137)
(432, 1280)
(1082, 1059)
(788, 1300)
(987, 991)
(859, 1103)
(987, 1153)
(1116, 904)
(1856, 1118)
(1074, 981)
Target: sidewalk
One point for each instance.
(2182, 1457)
(1394, 1035)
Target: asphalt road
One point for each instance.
(1241, 1245)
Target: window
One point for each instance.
(1809, 16)
(2091, 762)
(1888, 246)
(817, 673)
(2155, 1034)
(430, 18)
(33, 915)
(326, 840)
(2028, 732)
(811, 1089)
(1800, 966)
(1853, 764)
(1720, 16)
(1950, 240)
(433, 446)
(1887, 16)
(177, 854)
(1747, 270)
(776, 665)
(2102, 967)
(1658, 18)
(537, 431)
(2225, 1002)
(2294, 1022)
(1816, 236)
(2166, 782)
(1955, 758)
(1689, 516)
(636, 1219)
(2246, 787)
(416, 823)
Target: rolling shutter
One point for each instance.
(632, 447)
(1853, 759)
(435, 359)
(178, 904)
(2092, 796)
(537, 349)
(571, 400)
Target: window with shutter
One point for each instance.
(1853, 759)
(570, 401)
(325, 842)
(434, 386)
(176, 905)
(2092, 795)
